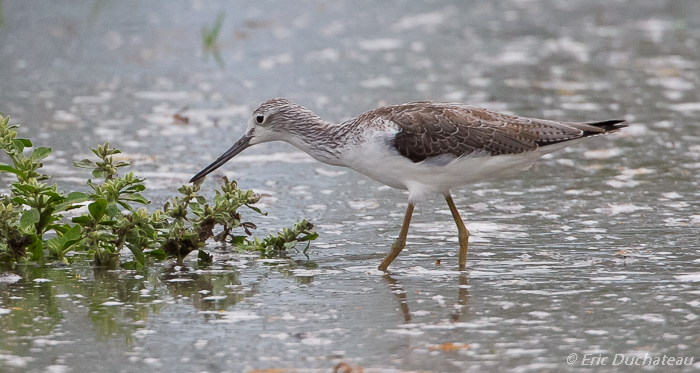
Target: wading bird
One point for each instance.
(423, 147)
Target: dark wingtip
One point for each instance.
(612, 125)
(599, 128)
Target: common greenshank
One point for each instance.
(423, 147)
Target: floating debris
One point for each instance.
(9, 278)
(214, 298)
(113, 303)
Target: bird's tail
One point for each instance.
(604, 127)
(568, 131)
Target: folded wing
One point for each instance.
(440, 131)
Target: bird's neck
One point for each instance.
(319, 139)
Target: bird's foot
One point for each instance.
(396, 248)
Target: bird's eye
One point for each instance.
(260, 119)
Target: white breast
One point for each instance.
(379, 161)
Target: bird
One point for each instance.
(425, 147)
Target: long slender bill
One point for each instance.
(238, 147)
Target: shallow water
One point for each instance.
(592, 252)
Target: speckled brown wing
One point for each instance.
(436, 130)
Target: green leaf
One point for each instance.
(125, 205)
(205, 257)
(73, 233)
(36, 248)
(40, 153)
(76, 197)
(138, 254)
(97, 173)
(256, 209)
(191, 236)
(31, 189)
(82, 220)
(134, 188)
(19, 201)
(309, 237)
(201, 200)
(70, 243)
(135, 198)
(22, 143)
(55, 246)
(158, 254)
(71, 200)
(26, 142)
(54, 198)
(62, 229)
(237, 240)
(46, 218)
(112, 210)
(85, 163)
(8, 168)
(29, 218)
(97, 209)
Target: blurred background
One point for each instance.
(78, 73)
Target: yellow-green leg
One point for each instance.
(400, 242)
(463, 233)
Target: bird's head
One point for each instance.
(273, 120)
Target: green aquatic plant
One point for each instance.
(276, 245)
(33, 216)
(32, 209)
(111, 223)
(210, 35)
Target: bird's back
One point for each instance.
(431, 129)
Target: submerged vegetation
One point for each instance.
(34, 216)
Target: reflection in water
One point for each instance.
(304, 280)
(462, 298)
(205, 290)
(398, 290)
(33, 307)
(118, 303)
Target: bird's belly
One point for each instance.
(379, 164)
(423, 179)
(474, 170)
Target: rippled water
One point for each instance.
(592, 252)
